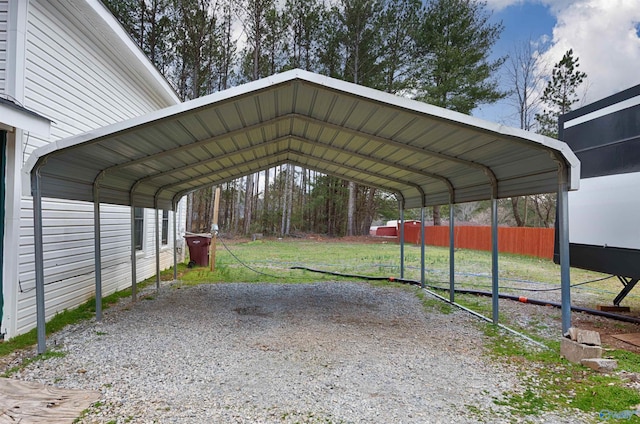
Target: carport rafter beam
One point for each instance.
(160, 189)
(293, 117)
(196, 144)
(485, 169)
(389, 189)
(355, 180)
(362, 171)
(303, 140)
(379, 161)
(213, 160)
(287, 152)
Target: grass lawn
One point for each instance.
(473, 268)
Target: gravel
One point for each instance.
(279, 353)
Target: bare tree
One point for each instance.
(525, 74)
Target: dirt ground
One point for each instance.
(605, 326)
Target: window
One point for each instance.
(165, 227)
(138, 227)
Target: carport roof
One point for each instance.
(425, 154)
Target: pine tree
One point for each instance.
(455, 40)
(560, 93)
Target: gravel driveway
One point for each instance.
(277, 353)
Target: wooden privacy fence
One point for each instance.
(519, 240)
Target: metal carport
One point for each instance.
(424, 154)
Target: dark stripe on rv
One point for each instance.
(607, 145)
(608, 260)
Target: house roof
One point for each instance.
(13, 115)
(94, 20)
(424, 154)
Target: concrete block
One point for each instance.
(587, 337)
(576, 352)
(599, 364)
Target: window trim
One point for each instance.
(164, 231)
(138, 228)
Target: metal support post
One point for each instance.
(175, 242)
(563, 244)
(134, 284)
(39, 261)
(97, 254)
(157, 247)
(422, 243)
(401, 241)
(452, 263)
(494, 259)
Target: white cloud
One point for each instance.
(603, 35)
(497, 5)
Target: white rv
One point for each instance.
(604, 234)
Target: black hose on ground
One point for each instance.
(590, 311)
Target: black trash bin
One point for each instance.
(198, 249)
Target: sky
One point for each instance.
(604, 36)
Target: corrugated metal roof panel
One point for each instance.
(419, 151)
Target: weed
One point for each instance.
(431, 303)
(527, 403)
(557, 384)
(25, 362)
(81, 313)
(604, 393)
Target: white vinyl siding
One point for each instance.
(74, 77)
(4, 12)
(68, 254)
(70, 79)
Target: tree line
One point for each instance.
(437, 51)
